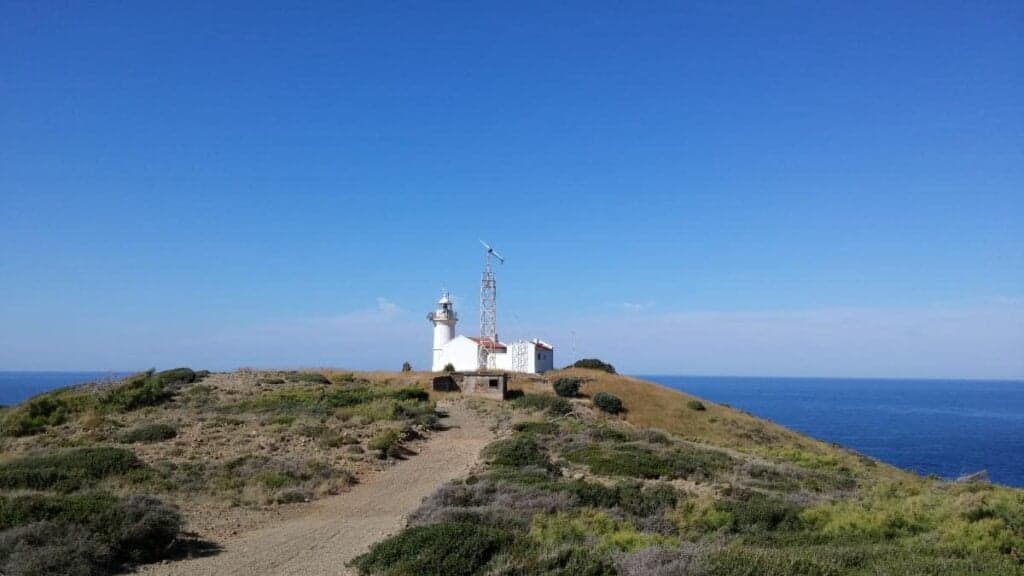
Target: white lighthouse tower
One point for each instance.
(444, 319)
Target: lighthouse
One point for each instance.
(444, 319)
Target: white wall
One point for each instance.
(461, 353)
(543, 359)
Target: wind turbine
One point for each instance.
(491, 252)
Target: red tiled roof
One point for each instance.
(488, 343)
(543, 345)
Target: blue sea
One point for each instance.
(18, 386)
(948, 428)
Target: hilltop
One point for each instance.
(168, 465)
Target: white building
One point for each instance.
(462, 352)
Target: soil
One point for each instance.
(323, 536)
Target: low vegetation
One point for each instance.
(91, 476)
(54, 408)
(594, 364)
(146, 433)
(551, 404)
(579, 492)
(567, 387)
(608, 403)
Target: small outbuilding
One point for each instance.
(493, 385)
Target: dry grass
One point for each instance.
(651, 405)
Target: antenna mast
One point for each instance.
(488, 309)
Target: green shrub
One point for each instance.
(696, 405)
(608, 403)
(449, 368)
(35, 415)
(587, 527)
(527, 558)
(843, 559)
(741, 561)
(752, 511)
(45, 548)
(179, 376)
(534, 427)
(567, 387)
(67, 469)
(148, 433)
(607, 433)
(272, 381)
(594, 364)
(324, 401)
(388, 443)
(446, 549)
(135, 529)
(140, 391)
(517, 452)
(411, 393)
(552, 404)
(308, 377)
(638, 461)
(406, 367)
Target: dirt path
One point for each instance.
(342, 527)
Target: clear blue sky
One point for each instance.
(779, 188)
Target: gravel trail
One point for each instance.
(340, 528)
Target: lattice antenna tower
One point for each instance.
(488, 309)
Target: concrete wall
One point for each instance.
(493, 386)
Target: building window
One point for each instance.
(493, 382)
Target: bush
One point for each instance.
(35, 415)
(518, 452)
(406, 367)
(324, 401)
(552, 404)
(637, 461)
(45, 548)
(608, 403)
(67, 469)
(142, 390)
(696, 405)
(587, 527)
(179, 376)
(534, 427)
(756, 512)
(528, 559)
(446, 549)
(308, 377)
(567, 387)
(135, 529)
(449, 368)
(594, 364)
(148, 433)
(388, 443)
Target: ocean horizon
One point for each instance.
(944, 427)
(949, 428)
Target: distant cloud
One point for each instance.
(968, 341)
(635, 307)
(387, 306)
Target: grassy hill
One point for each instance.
(96, 479)
(675, 485)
